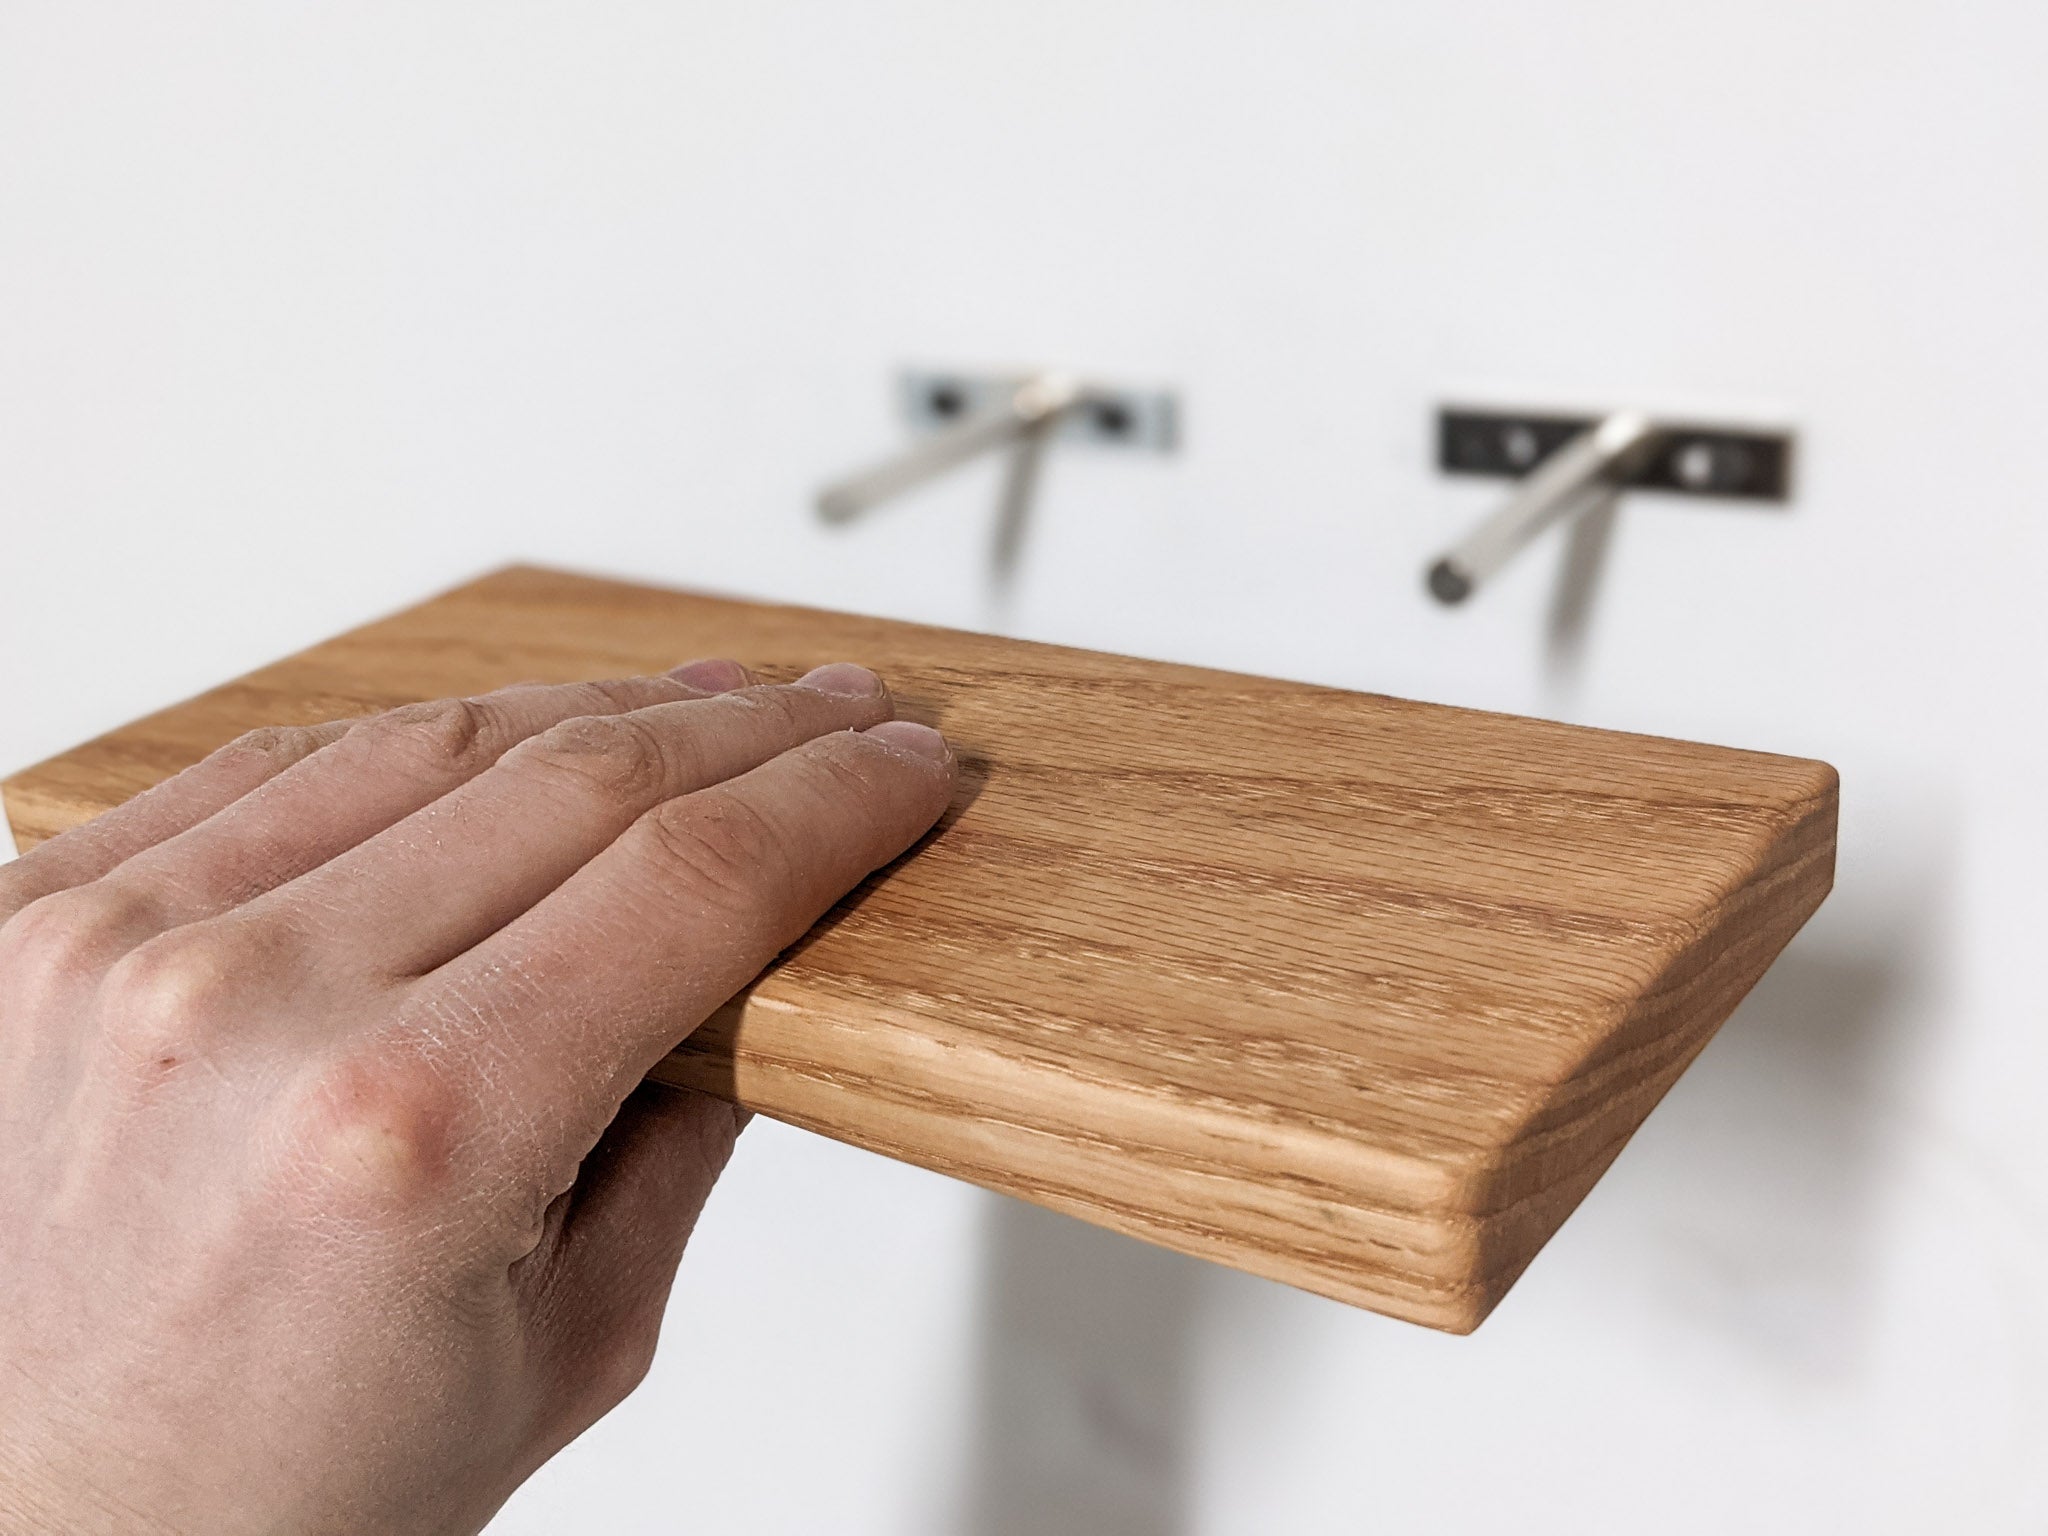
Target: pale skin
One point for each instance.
(331, 1197)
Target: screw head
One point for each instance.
(1696, 466)
(1519, 445)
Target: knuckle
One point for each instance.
(449, 736)
(723, 852)
(622, 1364)
(166, 1001)
(615, 756)
(618, 694)
(842, 766)
(794, 714)
(17, 889)
(276, 747)
(72, 932)
(780, 705)
(716, 1133)
(378, 1129)
(839, 778)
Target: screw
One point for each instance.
(1696, 466)
(1519, 446)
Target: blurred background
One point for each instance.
(307, 311)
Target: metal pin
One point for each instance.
(1033, 409)
(1581, 475)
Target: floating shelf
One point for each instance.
(1357, 993)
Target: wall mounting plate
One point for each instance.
(1108, 416)
(1692, 459)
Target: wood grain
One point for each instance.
(1357, 993)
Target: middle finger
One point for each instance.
(457, 871)
(379, 771)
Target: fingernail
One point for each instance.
(714, 674)
(909, 736)
(842, 678)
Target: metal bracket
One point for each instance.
(1105, 416)
(1753, 464)
(1570, 467)
(958, 416)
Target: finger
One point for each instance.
(221, 778)
(184, 800)
(597, 1292)
(457, 871)
(566, 1008)
(376, 772)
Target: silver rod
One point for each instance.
(1038, 403)
(1013, 507)
(1580, 475)
(1578, 579)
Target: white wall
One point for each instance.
(306, 311)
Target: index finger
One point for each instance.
(567, 1007)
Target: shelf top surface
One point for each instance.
(1394, 933)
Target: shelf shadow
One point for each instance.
(1084, 1403)
(1751, 1203)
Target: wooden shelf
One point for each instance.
(1357, 993)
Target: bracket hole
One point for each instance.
(1112, 418)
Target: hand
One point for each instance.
(331, 1198)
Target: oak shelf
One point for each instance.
(1353, 992)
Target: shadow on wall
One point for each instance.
(1748, 1209)
(1084, 1402)
(1751, 1202)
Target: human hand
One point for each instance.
(331, 1198)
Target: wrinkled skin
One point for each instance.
(331, 1198)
